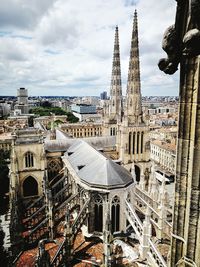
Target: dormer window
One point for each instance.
(80, 167)
(29, 160)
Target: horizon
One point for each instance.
(68, 47)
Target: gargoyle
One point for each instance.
(183, 38)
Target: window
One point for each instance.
(129, 143)
(98, 210)
(30, 187)
(29, 161)
(115, 211)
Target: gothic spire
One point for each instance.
(115, 88)
(133, 105)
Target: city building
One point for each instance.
(164, 155)
(103, 95)
(80, 130)
(22, 101)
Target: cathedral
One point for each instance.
(71, 204)
(125, 120)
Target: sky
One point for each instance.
(65, 47)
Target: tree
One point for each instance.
(46, 104)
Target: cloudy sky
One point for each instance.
(65, 47)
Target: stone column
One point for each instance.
(185, 246)
(186, 224)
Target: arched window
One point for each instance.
(129, 143)
(30, 187)
(142, 139)
(134, 143)
(115, 211)
(137, 173)
(29, 159)
(98, 211)
(111, 131)
(138, 142)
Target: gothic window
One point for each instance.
(115, 211)
(141, 147)
(137, 173)
(53, 168)
(98, 211)
(29, 159)
(138, 142)
(131, 102)
(129, 144)
(133, 143)
(113, 102)
(30, 187)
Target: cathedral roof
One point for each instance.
(95, 169)
(60, 145)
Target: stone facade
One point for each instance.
(28, 163)
(184, 49)
(80, 130)
(164, 154)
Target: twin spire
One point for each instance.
(133, 110)
(116, 88)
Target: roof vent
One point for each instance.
(80, 167)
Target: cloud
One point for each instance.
(66, 47)
(21, 13)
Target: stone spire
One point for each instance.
(115, 88)
(133, 101)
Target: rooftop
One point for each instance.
(95, 169)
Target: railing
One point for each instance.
(73, 199)
(145, 196)
(62, 194)
(134, 221)
(58, 182)
(30, 221)
(155, 254)
(38, 232)
(30, 210)
(60, 211)
(36, 202)
(147, 204)
(80, 218)
(59, 256)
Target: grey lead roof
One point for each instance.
(95, 169)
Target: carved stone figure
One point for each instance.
(176, 41)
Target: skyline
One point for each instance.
(59, 48)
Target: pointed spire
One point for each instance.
(115, 88)
(134, 106)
